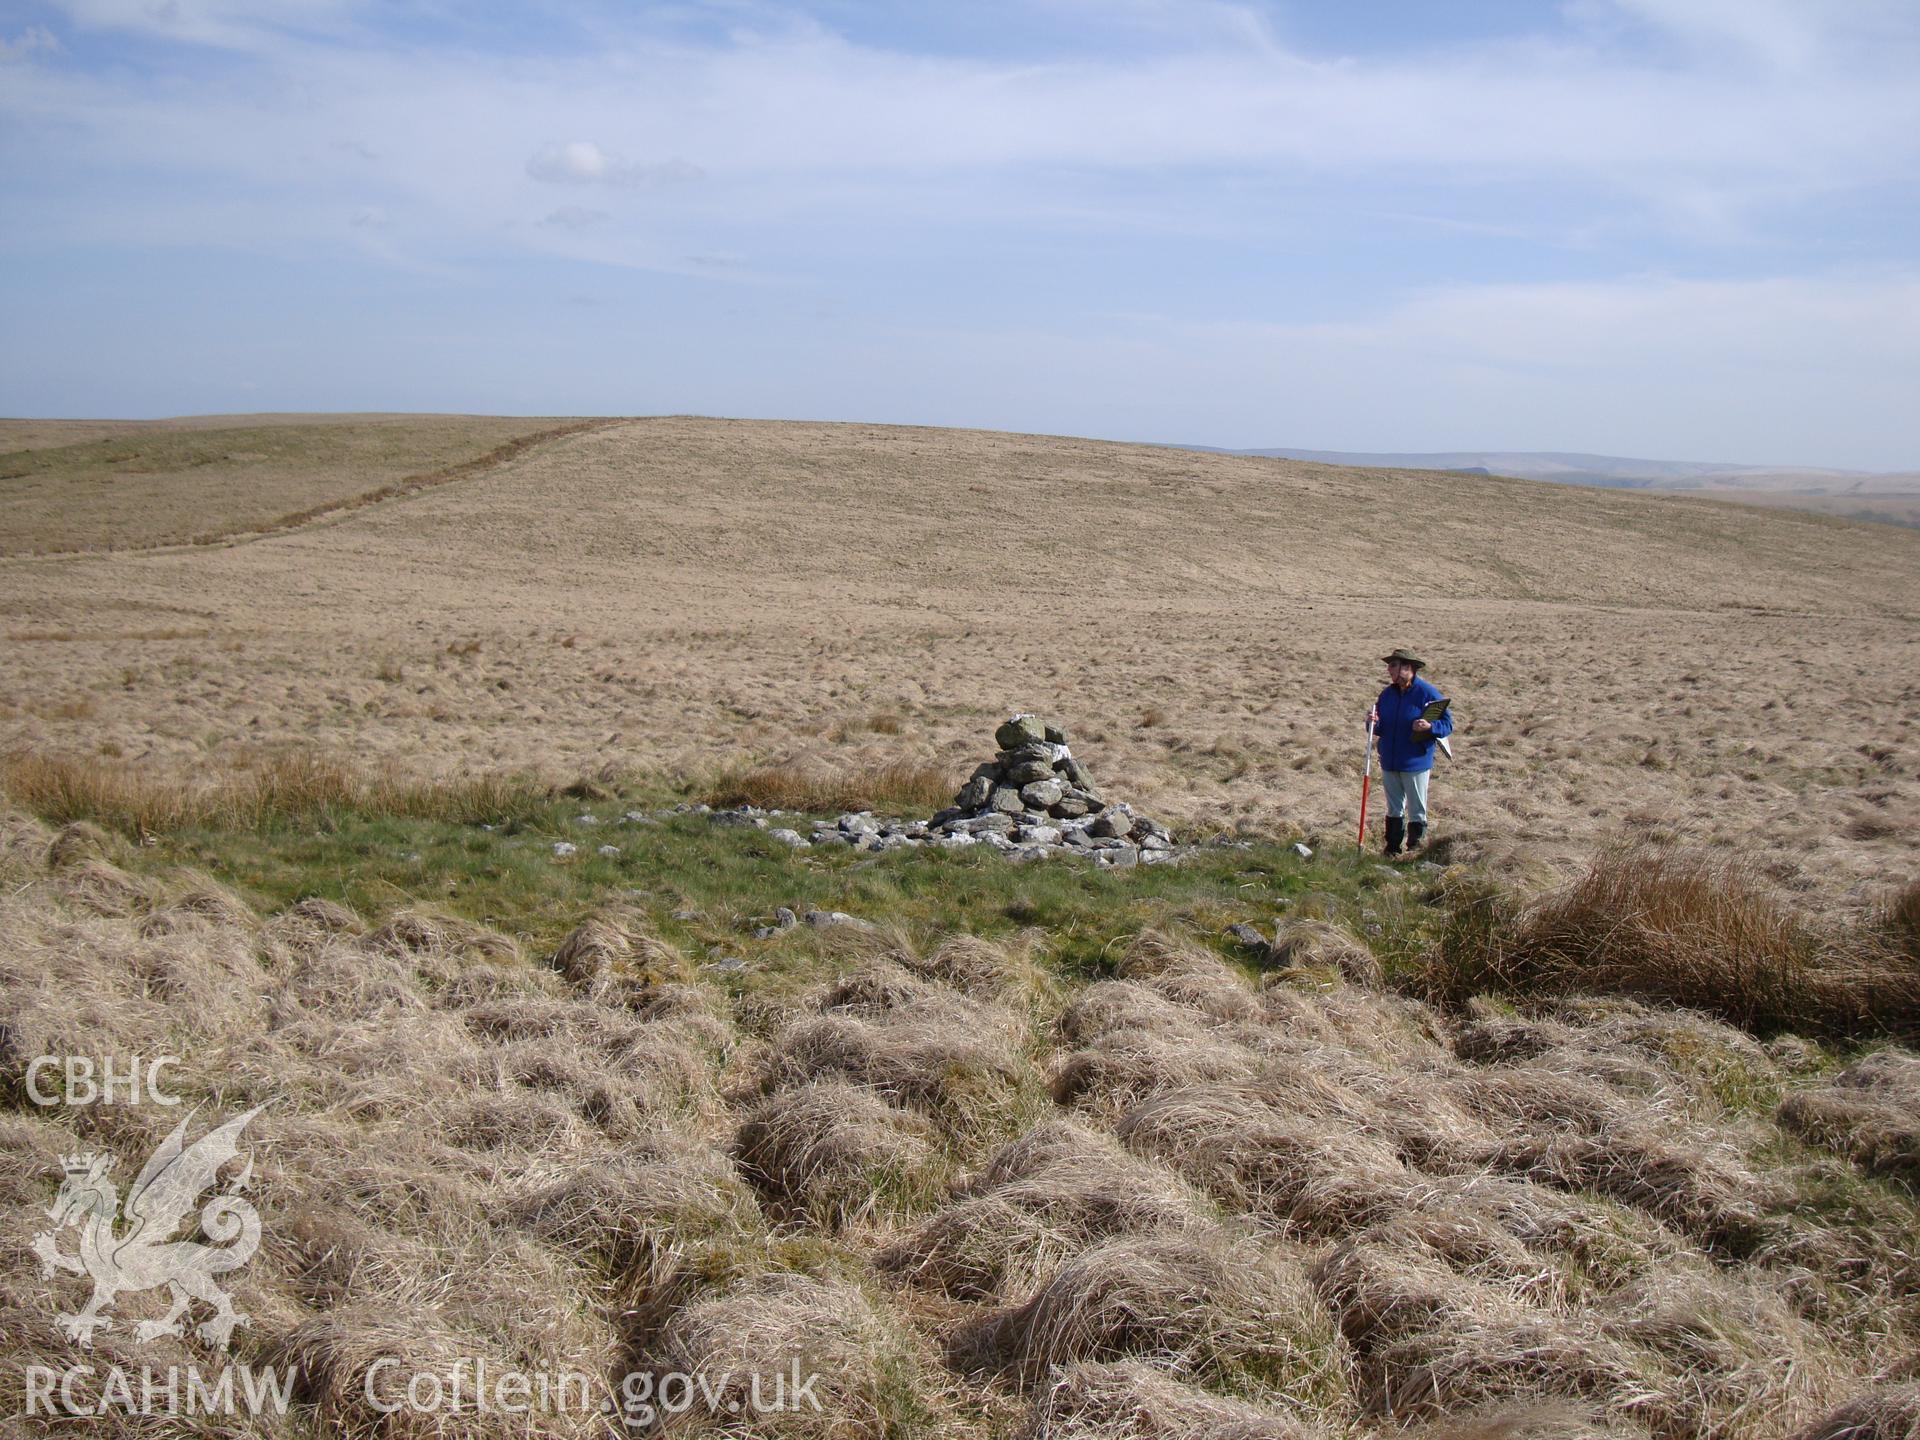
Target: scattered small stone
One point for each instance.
(564, 848)
(1300, 849)
(823, 919)
(785, 918)
(726, 963)
(586, 819)
(789, 837)
(742, 819)
(609, 850)
(1251, 938)
(685, 915)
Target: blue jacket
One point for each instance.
(1400, 748)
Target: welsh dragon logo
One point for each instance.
(146, 1256)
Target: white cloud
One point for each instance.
(581, 162)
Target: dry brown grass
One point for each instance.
(1679, 927)
(876, 1379)
(1889, 1414)
(1203, 1305)
(1040, 1200)
(913, 1042)
(829, 1153)
(897, 787)
(172, 483)
(457, 1156)
(1869, 1112)
(280, 786)
(1130, 1400)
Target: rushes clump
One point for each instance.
(1677, 927)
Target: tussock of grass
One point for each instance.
(901, 787)
(830, 1153)
(1040, 1200)
(1317, 1176)
(1130, 1400)
(1206, 1305)
(877, 1379)
(913, 1042)
(1892, 1413)
(1681, 928)
(1869, 1112)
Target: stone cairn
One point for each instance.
(1035, 797)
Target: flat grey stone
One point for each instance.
(982, 824)
(825, 919)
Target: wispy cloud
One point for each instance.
(581, 162)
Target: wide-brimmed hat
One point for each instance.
(1405, 657)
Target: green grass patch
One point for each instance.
(710, 885)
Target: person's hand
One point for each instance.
(1421, 726)
(1373, 716)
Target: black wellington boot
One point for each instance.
(1416, 832)
(1396, 832)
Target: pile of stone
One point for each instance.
(1034, 798)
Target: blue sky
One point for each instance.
(1675, 228)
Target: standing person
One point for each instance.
(1405, 738)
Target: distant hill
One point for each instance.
(1619, 472)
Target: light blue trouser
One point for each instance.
(1407, 794)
